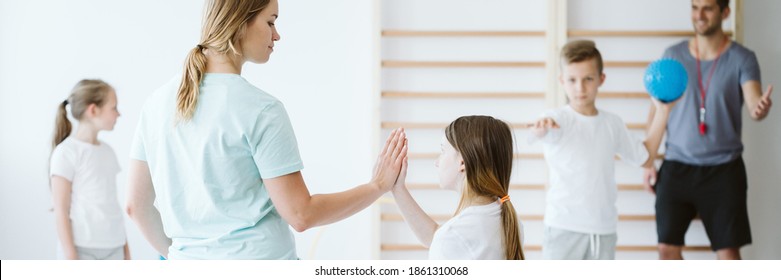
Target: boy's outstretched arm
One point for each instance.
(657, 119)
(422, 225)
(541, 127)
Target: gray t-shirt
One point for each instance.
(723, 104)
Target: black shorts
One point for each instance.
(717, 193)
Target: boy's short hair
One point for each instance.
(579, 51)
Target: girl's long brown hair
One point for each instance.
(486, 145)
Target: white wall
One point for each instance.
(322, 70)
(319, 70)
(763, 152)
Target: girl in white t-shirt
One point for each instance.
(476, 160)
(83, 174)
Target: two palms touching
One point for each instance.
(391, 165)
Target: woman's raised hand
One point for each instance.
(392, 155)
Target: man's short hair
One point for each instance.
(723, 4)
(581, 50)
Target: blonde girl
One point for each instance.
(83, 173)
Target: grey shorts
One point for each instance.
(559, 244)
(96, 253)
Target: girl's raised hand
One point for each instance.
(401, 180)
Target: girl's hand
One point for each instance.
(401, 180)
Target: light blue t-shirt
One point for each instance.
(208, 172)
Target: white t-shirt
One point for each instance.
(581, 159)
(474, 234)
(96, 217)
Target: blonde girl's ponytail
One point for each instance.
(62, 126)
(85, 93)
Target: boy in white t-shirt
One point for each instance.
(580, 144)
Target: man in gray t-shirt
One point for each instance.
(703, 172)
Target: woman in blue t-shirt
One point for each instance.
(215, 169)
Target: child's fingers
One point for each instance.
(540, 123)
(550, 123)
(403, 172)
(401, 160)
(398, 145)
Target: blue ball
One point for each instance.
(666, 79)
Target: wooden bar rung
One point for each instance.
(621, 187)
(512, 187)
(633, 187)
(509, 95)
(435, 155)
(627, 64)
(453, 33)
(633, 33)
(515, 156)
(519, 95)
(445, 217)
(460, 64)
(620, 248)
(636, 126)
(423, 125)
(417, 125)
(623, 95)
(494, 64)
